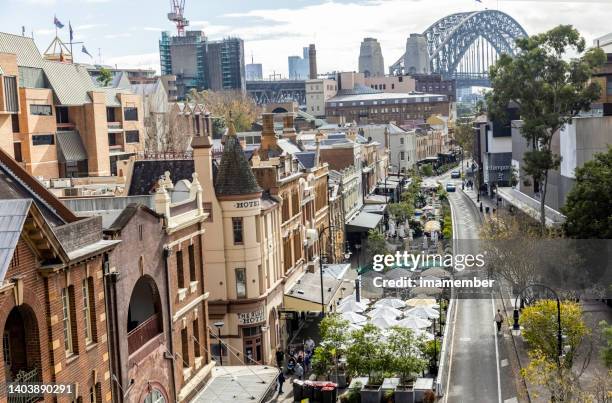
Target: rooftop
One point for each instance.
(389, 96)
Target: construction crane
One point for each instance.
(177, 8)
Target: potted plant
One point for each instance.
(406, 361)
(334, 339)
(368, 355)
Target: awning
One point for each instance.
(70, 147)
(375, 208)
(376, 199)
(305, 294)
(363, 222)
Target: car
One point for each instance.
(455, 174)
(450, 187)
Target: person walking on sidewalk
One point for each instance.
(299, 371)
(280, 357)
(280, 380)
(499, 319)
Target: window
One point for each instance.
(132, 136)
(184, 348)
(6, 348)
(609, 86)
(241, 291)
(260, 275)
(17, 152)
(196, 338)
(401, 140)
(392, 86)
(67, 322)
(42, 110)
(11, 100)
(130, 113)
(92, 395)
(110, 115)
(61, 114)
(43, 139)
(15, 123)
(192, 264)
(155, 396)
(402, 155)
(87, 311)
(180, 275)
(237, 229)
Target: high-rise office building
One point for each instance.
(371, 62)
(254, 72)
(201, 64)
(299, 66)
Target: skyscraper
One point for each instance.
(201, 64)
(371, 62)
(254, 72)
(299, 66)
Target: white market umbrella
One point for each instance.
(354, 317)
(385, 311)
(383, 322)
(423, 312)
(414, 322)
(351, 306)
(390, 302)
(353, 297)
(436, 272)
(422, 301)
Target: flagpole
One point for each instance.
(71, 52)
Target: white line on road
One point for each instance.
(499, 394)
(450, 356)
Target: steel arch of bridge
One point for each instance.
(449, 38)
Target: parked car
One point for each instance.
(450, 187)
(455, 174)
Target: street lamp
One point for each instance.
(516, 327)
(219, 325)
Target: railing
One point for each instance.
(25, 377)
(144, 332)
(168, 155)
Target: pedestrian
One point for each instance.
(481, 207)
(499, 319)
(307, 362)
(280, 380)
(280, 357)
(299, 371)
(310, 344)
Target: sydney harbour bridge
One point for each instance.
(463, 46)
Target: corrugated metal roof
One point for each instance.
(70, 146)
(13, 213)
(111, 95)
(1, 71)
(24, 47)
(70, 82)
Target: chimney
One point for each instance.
(268, 136)
(318, 137)
(312, 58)
(289, 128)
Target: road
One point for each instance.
(479, 369)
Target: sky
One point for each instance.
(126, 32)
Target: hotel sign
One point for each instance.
(250, 318)
(247, 204)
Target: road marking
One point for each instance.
(504, 362)
(499, 394)
(511, 400)
(465, 339)
(450, 357)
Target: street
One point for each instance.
(479, 369)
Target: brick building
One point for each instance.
(56, 122)
(52, 305)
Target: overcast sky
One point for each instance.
(126, 32)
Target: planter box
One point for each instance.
(339, 379)
(371, 394)
(404, 394)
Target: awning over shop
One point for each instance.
(363, 222)
(376, 199)
(70, 147)
(375, 208)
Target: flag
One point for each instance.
(57, 23)
(71, 31)
(85, 51)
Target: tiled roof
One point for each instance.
(70, 82)
(24, 47)
(13, 213)
(146, 173)
(306, 159)
(235, 176)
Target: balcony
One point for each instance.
(114, 127)
(144, 332)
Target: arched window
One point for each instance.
(154, 396)
(144, 320)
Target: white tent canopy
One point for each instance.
(421, 301)
(354, 317)
(423, 312)
(351, 306)
(390, 302)
(383, 322)
(385, 311)
(414, 322)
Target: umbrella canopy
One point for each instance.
(390, 302)
(414, 322)
(385, 311)
(351, 306)
(352, 297)
(422, 301)
(431, 226)
(353, 317)
(383, 322)
(426, 291)
(423, 312)
(435, 272)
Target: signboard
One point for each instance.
(247, 204)
(250, 318)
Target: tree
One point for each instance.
(606, 351)
(167, 132)
(368, 353)
(464, 136)
(539, 322)
(561, 383)
(105, 78)
(230, 105)
(406, 353)
(589, 206)
(548, 91)
(334, 340)
(401, 211)
(375, 244)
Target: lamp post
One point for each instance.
(219, 325)
(516, 327)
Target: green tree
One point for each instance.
(105, 78)
(375, 244)
(427, 170)
(539, 322)
(334, 340)
(401, 211)
(606, 351)
(549, 91)
(589, 206)
(464, 136)
(368, 353)
(406, 353)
